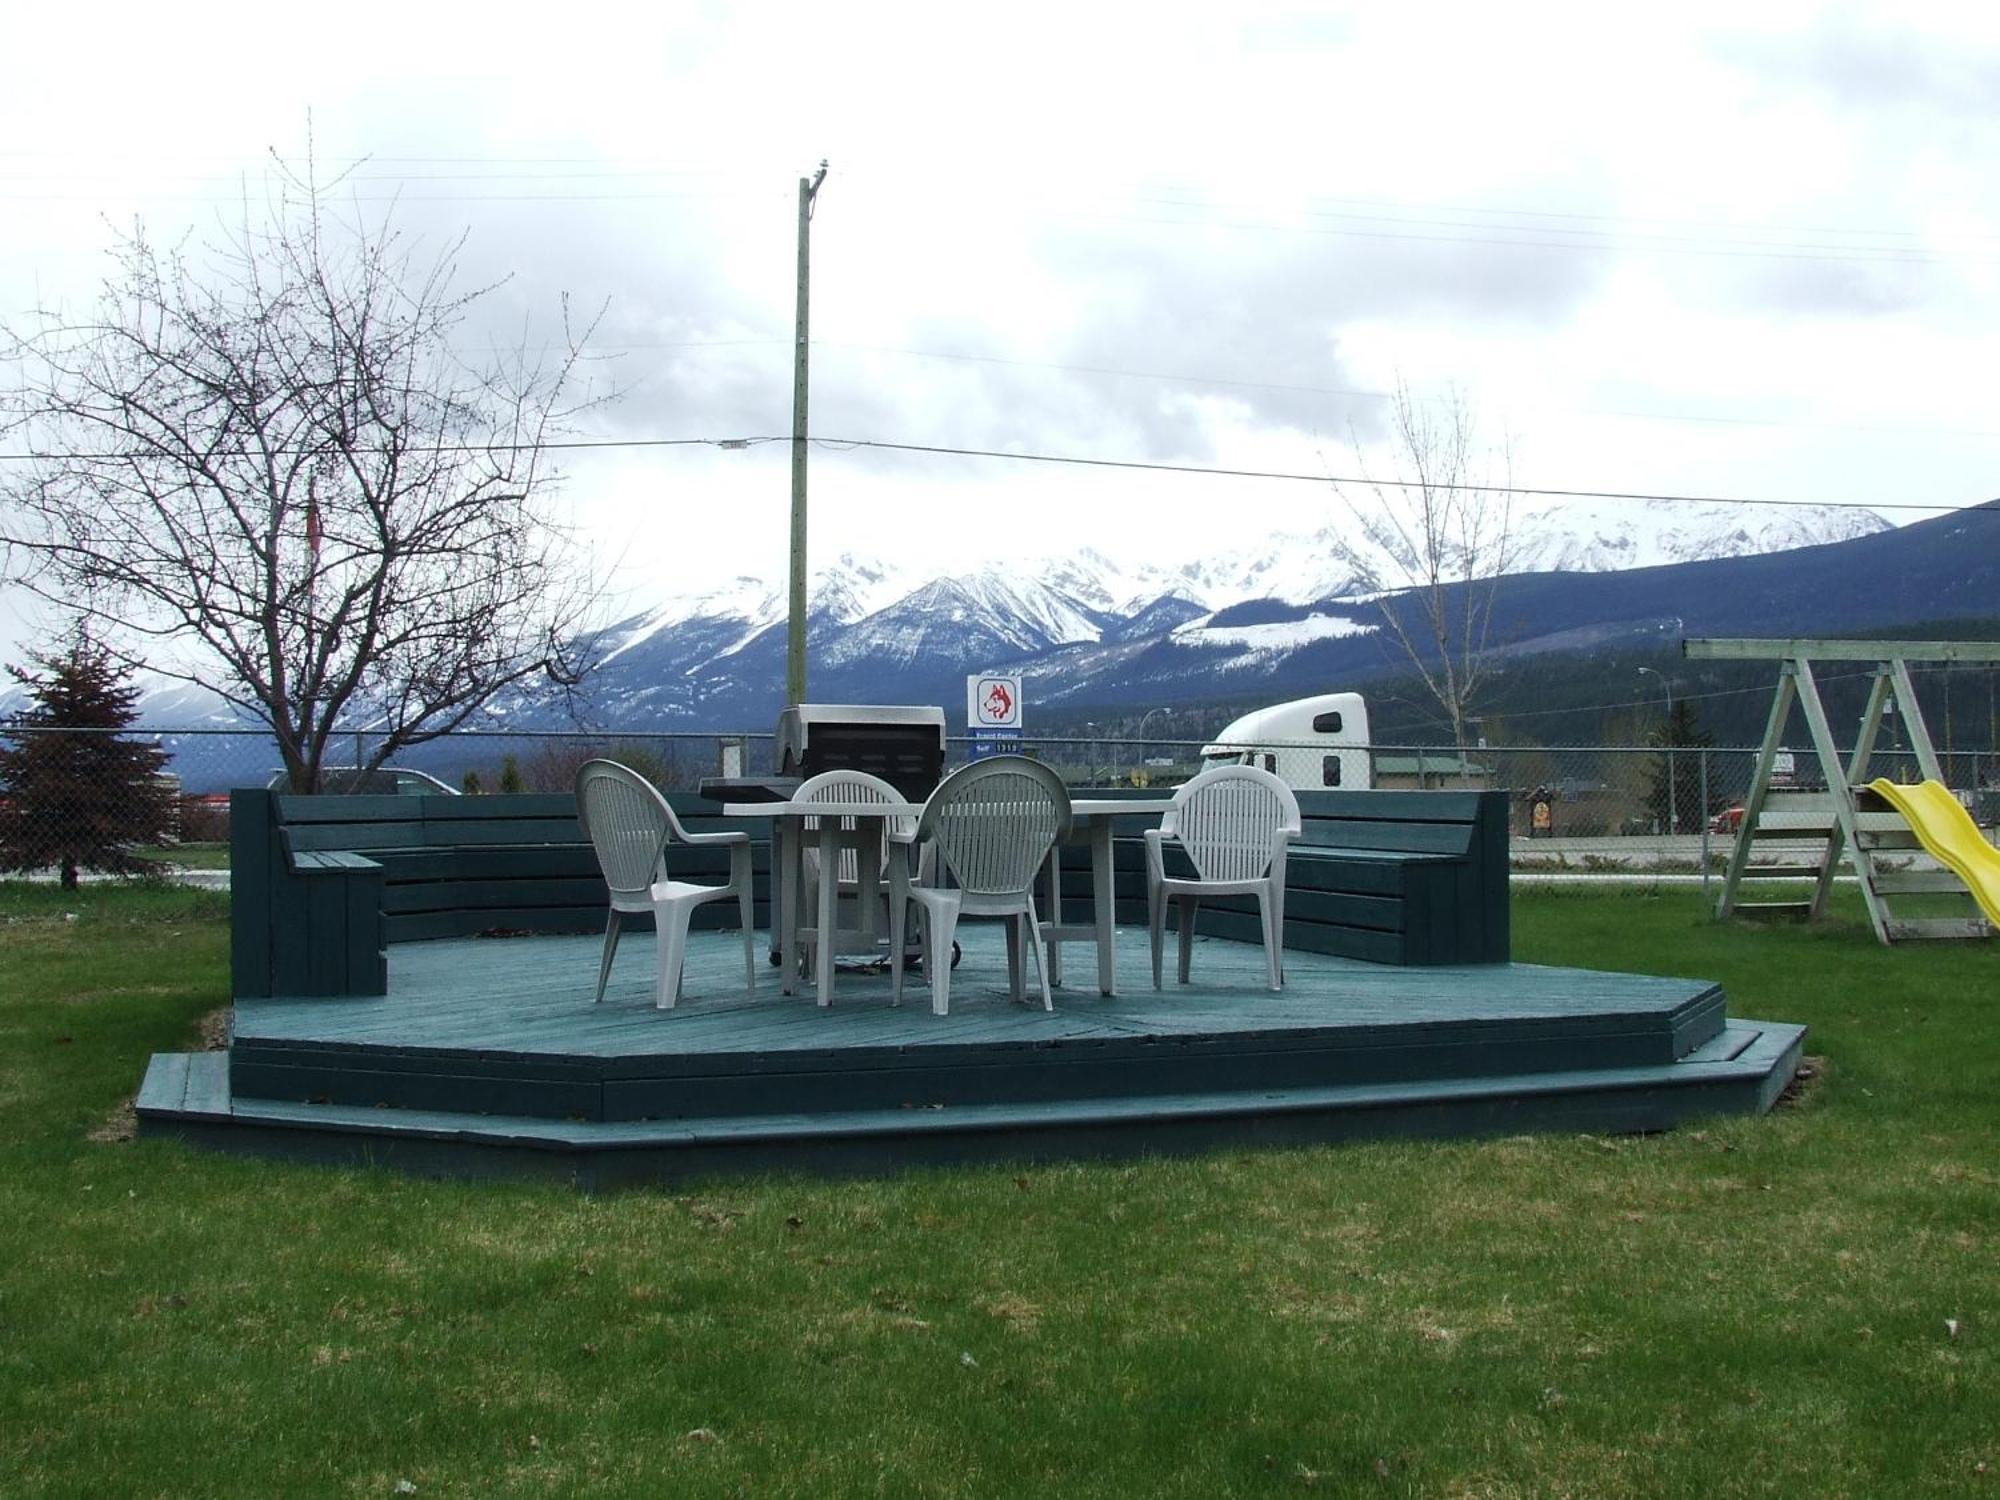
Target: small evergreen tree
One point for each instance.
(74, 793)
(1678, 810)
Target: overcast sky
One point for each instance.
(1731, 250)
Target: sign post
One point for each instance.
(993, 713)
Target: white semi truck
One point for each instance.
(1308, 743)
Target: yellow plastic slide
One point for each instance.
(1947, 830)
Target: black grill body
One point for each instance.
(903, 745)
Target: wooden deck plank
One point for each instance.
(1746, 1071)
(508, 1026)
(467, 984)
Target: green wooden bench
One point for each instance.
(1407, 878)
(322, 885)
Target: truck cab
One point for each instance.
(1309, 743)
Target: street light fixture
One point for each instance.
(1673, 808)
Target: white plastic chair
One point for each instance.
(1235, 823)
(870, 841)
(630, 825)
(988, 827)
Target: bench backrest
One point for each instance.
(321, 885)
(1407, 822)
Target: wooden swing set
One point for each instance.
(1847, 816)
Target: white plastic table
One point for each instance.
(1093, 818)
(1092, 822)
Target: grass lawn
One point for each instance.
(1806, 1304)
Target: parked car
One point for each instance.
(383, 781)
(1729, 820)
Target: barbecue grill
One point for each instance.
(903, 745)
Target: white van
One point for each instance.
(1309, 743)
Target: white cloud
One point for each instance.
(1714, 250)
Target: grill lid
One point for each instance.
(901, 743)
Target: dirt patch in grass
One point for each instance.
(1806, 1079)
(118, 1127)
(211, 1032)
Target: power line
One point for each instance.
(1350, 479)
(837, 444)
(1405, 222)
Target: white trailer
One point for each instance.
(1308, 743)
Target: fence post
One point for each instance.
(1701, 811)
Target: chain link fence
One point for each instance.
(1579, 807)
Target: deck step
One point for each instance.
(1742, 1069)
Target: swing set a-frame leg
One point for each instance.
(1760, 783)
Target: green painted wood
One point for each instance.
(1395, 806)
(332, 860)
(368, 930)
(1403, 838)
(443, 895)
(208, 1091)
(328, 944)
(1744, 1076)
(164, 1088)
(1361, 873)
(546, 861)
(423, 926)
(295, 810)
(462, 866)
(489, 1022)
(1241, 926)
(253, 852)
(305, 838)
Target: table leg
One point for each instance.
(829, 906)
(785, 897)
(1101, 894)
(1053, 917)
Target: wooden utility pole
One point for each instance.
(795, 638)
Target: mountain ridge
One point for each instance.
(1088, 628)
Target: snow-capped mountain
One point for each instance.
(1348, 558)
(1093, 628)
(1601, 536)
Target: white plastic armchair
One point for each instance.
(987, 828)
(631, 826)
(883, 843)
(1235, 823)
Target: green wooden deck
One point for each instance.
(487, 1054)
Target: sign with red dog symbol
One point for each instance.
(993, 702)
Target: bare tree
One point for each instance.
(273, 447)
(1438, 538)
